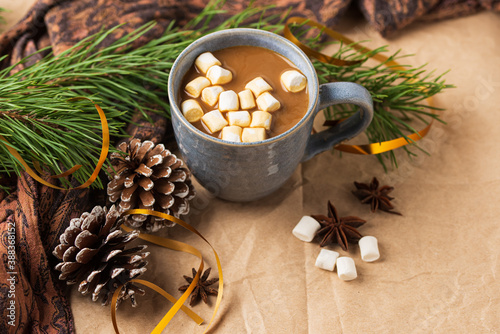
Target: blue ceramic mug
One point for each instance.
(249, 171)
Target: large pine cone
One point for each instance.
(149, 177)
(92, 250)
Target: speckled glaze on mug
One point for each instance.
(249, 171)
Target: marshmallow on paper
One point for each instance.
(232, 133)
(261, 119)
(346, 269)
(214, 121)
(267, 102)
(195, 86)
(368, 247)
(206, 60)
(228, 101)
(246, 99)
(191, 109)
(219, 75)
(250, 135)
(258, 86)
(293, 81)
(239, 118)
(326, 259)
(210, 95)
(306, 229)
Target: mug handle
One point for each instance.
(338, 93)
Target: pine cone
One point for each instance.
(149, 177)
(92, 250)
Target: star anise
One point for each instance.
(340, 230)
(377, 197)
(202, 288)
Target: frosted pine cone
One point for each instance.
(149, 177)
(93, 254)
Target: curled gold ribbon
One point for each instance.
(375, 148)
(91, 179)
(313, 53)
(196, 318)
(70, 171)
(179, 246)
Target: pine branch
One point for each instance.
(38, 118)
(41, 121)
(398, 93)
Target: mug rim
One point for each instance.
(174, 108)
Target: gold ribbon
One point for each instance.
(70, 171)
(196, 318)
(92, 178)
(374, 148)
(178, 246)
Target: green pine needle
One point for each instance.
(2, 19)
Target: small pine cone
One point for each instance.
(92, 253)
(149, 177)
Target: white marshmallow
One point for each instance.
(214, 121)
(232, 133)
(191, 110)
(239, 118)
(267, 102)
(250, 135)
(210, 95)
(206, 60)
(258, 86)
(228, 101)
(368, 248)
(219, 75)
(293, 81)
(194, 87)
(246, 99)
(346, 269)
(326, 259)
(306, 229)
(261, 119)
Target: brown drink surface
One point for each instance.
(247, 63)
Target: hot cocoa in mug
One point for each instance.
(243, 102)
(254, 89)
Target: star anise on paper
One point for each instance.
(340, 230)
(202, 288)
(377, 197)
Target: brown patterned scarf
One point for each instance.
(32, 217)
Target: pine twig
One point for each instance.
(39, 119)
(398, 94)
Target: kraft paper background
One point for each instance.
(439, 263)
